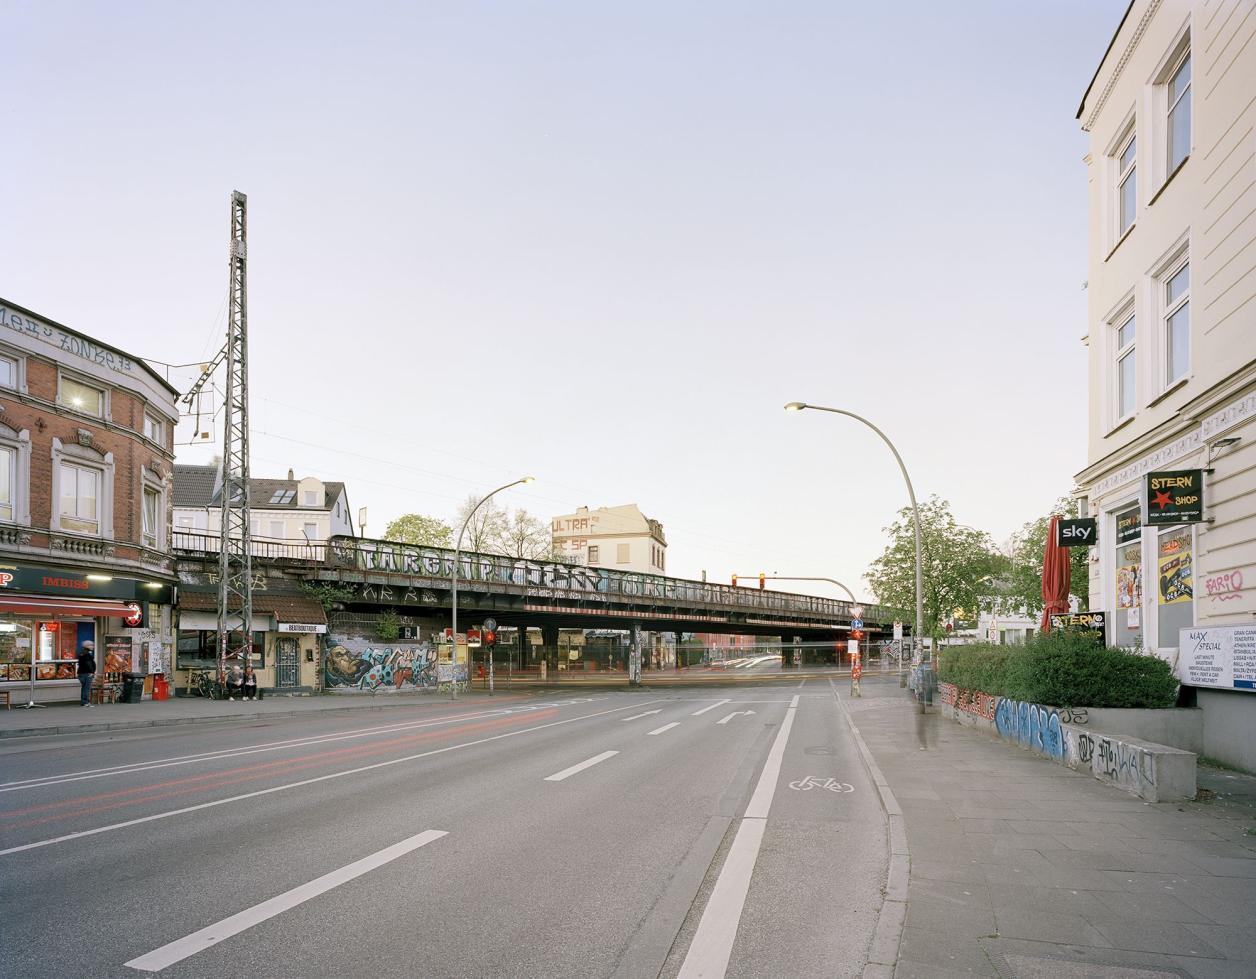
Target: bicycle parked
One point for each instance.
(206, 684)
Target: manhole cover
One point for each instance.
(820, 749)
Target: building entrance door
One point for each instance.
(286, 656)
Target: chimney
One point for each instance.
(290, 475)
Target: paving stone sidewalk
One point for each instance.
(1022, 869)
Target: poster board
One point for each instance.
(1223, 657)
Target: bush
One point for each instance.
(1063, 669)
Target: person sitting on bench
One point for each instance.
(235, 683)
(249, 686)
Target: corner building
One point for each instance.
(1171, 168)
(86, 463)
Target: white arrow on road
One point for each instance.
(729, 717)
(646, 714)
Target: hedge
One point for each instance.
(1063, 669)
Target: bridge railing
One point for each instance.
(264, 547)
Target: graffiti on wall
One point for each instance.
(1126, 765)
(1032, 725)
(972, 702)
(1225, 587)
(377, 666)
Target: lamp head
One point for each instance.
(528, 479)
(795, 406)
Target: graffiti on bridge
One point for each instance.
(367, 666)
(1032, 725)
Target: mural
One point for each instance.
(361, 665)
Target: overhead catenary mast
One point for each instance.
(235, 564)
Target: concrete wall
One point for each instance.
(1229, 727)
(1177, 727)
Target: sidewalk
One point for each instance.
(67, 717)
(1023, 869)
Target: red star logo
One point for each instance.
(1162, 500)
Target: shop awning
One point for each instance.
(21, 605)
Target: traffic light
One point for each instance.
(856, 633)
(762, 581)
(490, 637)
(734, 581)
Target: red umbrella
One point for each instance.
(1056, 577)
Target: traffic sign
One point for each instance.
(898, 630)
(490, 625)
(856, 623)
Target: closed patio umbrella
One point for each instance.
(1056, 577)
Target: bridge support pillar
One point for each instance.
(634, 656)
(549, 645)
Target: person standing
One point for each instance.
(86, 671)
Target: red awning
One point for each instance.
(23, 605)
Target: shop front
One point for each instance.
(47, 614)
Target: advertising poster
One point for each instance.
(1224, 656)
(117, 654)
(1175, 566)
(1129, 578)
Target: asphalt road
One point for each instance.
(721, 831)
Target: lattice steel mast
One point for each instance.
(235, 563)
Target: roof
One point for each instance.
(194, 486)
(285, 608)
(107, 346)
(1085, 95)
(198, 486)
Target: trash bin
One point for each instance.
(161, 687)
(132, 688)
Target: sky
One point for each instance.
(600, 244)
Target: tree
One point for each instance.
(414, 528)
(1023, 580)
(522, 535)
(957, 563)
(485, 530)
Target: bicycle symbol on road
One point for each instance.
(813, 782)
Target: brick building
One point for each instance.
(86, 463)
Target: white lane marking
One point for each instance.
(761, 801)
(728, 717)
(587, 763)
(712, 944)
(800, 683)
(232, 753)
(198, 941)
(665, 727)
(794, 700)
(718, 703)
(306, 781)
(646, 714)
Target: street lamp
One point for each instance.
(453, 687)
(920, 595)
(831, 581)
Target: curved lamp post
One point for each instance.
(920, 595)
(831, 581)
(454, 575)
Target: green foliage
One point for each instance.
(414, 528)
(1063, 669)
(956, 562)
(389, 626)
(1022, 580)
(327, 593)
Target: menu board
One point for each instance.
(1224, 656)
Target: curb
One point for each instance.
(883, 955)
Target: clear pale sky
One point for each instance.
(600, 243)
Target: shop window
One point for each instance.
(1128, 627)
(1175, 591)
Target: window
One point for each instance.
(1179, 109)
(1177, 324)
(81, 397)
(621, 554)
(8, 372)
(593, 554)
(310, 530)
(311, 498)
(1127, 184)
(276, 528)
(282, 496)
(153, 429)
(80, 494)
(8, 483)
(1126, 369)
(152, 508)
(1175, 593)
(1128, 565)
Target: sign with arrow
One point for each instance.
(728, 717)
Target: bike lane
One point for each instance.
(816, 889)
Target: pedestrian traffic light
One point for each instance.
(762, 581)
(734, 581)
(490, 637)
(856, 633)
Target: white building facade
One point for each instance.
(1171, 115)
(300, 510)
(619, 537)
